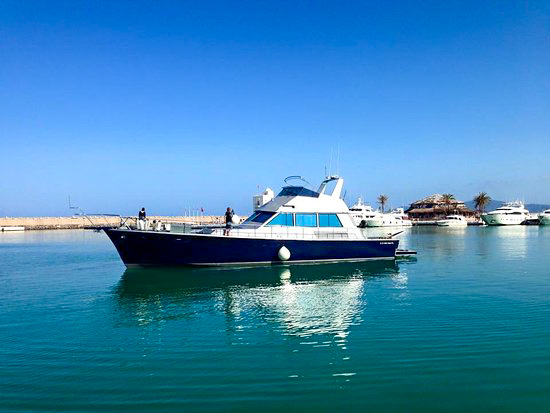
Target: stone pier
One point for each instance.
(93, 221)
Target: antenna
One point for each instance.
(338, 161)
(330, 164)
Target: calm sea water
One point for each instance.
(464, 327)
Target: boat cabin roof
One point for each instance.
(299, 199)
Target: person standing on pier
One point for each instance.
(141, 219)
(228, 220)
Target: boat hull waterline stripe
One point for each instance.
(271, 263)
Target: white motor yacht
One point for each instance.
(544, 217)
(453, 221)
(511, 213)
(361, 212)
(394, 218)
(299, 225)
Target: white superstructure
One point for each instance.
(511, 213)
(298, 212)
(453, 221)
(394, 218)
(544, 217)
(361, 212)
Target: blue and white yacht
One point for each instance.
(299, 225)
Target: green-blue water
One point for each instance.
(465, 327)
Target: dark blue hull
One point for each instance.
(145, 248)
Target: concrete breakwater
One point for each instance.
(93, 221)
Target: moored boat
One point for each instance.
(394, 218)
(452, 221)
(299, 225)
(361, 212)
(511, 213)
(11, 229)
(544, 217)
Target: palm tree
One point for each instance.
(382, 199)
(447, 199)
(481, 200)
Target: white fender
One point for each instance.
(284, 253)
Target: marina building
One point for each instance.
(436, 206)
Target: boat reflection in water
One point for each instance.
(300, 300)
(512, 241)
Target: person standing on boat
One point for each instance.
(228, 220)
(141, 219)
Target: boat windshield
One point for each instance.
(298, 191)
(259, 217)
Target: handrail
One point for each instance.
(291, 233)
(296, 177)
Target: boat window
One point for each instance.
(282, 219)
(306, 220)
(329, 220)
(298, 191)
(251, 217)
(330, 186)
(260, 217)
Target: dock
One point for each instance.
(434, 222)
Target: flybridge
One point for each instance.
(324, 189)
(301, 199)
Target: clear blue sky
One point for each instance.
(178, 104)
